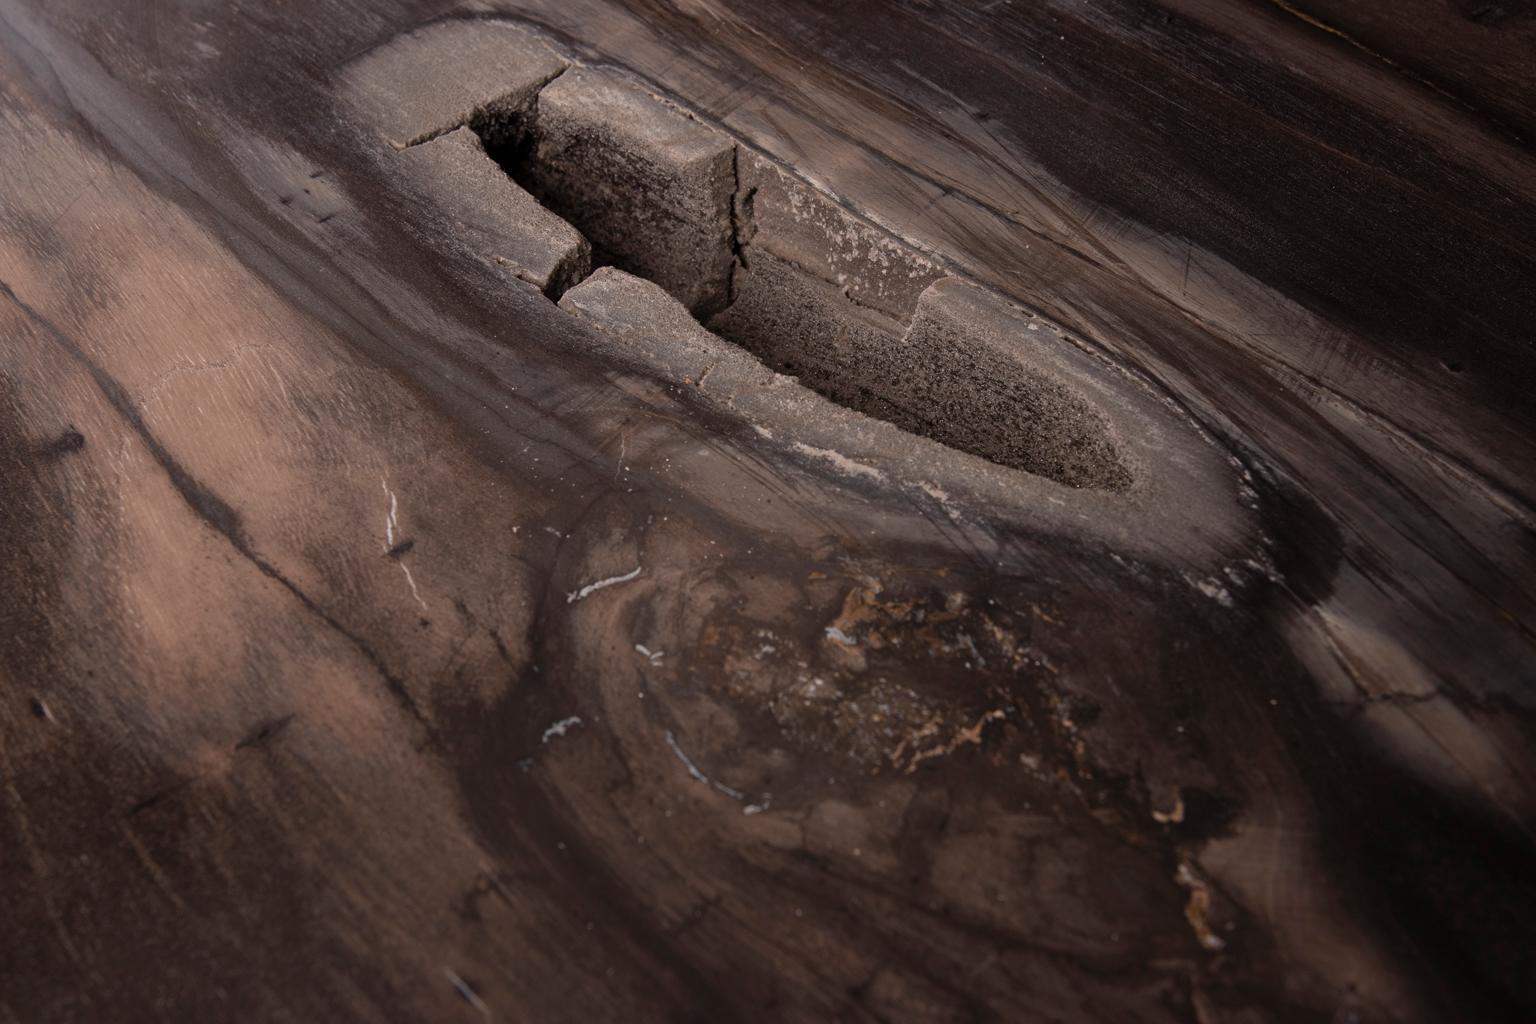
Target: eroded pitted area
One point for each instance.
(765, 262)
(1012, 404)
(824, 332)
(650, 188)
(935, 376)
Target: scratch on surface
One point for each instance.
(1214, 590)
(941, 496)
(1318, 23)
(592, 588)
(41, 868)
(156, 875)
(693, 769)
(468, 994)
(839, 460)
(187, 367)
(560, 728)
(391, 521)
(623, 450)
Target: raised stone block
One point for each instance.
(653, 328)
(648, 185)
(787, 218)
(449, 74)
(492, 215)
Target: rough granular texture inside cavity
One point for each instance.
(938, 379)
(650, 188)
(853, 314)
(970, 384)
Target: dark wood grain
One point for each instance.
(304, 715)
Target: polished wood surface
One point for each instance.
(313, 709)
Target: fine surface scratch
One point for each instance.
(693, 769)
(839, 460)
(466, 992)
(391, 521)
(592, 588)
(1317, 23)
(560, 728)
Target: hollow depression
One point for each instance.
(775, 266)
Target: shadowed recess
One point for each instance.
(666, 198)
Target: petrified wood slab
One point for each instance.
(1030, 517)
